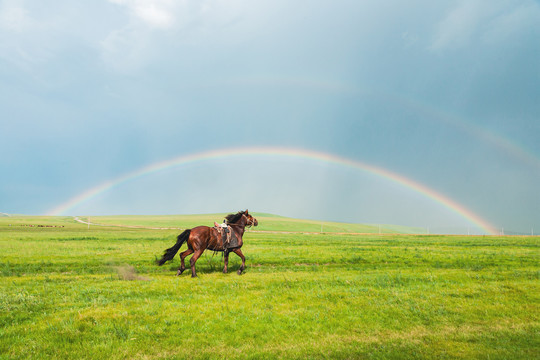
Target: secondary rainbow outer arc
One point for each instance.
(432, 111)
(275, 151)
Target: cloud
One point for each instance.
(128, 46)
(459, 26)
(150, 23)
(515, 24)
(34, 35)
(325, 75)
(14, 17)
(472, 21)
(15, 23)
(154, 13)
(125, 49)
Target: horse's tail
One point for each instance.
(170, 252)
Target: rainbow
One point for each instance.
(503, 144)
(430, 111)
(279, 152)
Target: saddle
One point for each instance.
(229, 238)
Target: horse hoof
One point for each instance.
(193, 276)
(239, 272)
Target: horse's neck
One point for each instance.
(239, 227)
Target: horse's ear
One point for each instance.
(247, 213)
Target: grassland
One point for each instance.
(94, 292)
(268, 222)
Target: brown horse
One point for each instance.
(201, 238)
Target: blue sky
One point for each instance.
(444, 93)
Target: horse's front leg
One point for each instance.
(183, 255)
(243, 266)
(226, 261)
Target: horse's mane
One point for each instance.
(234, 218)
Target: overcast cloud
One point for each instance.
(444, 93)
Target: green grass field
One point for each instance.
(268, 222)
(94, 292)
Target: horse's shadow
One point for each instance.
(209, 264)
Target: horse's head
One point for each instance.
(251, 221)
(241, 218)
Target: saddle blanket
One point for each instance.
(228, 236)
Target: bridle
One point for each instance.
(250, 221)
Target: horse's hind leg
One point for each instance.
(243, 266)
(193, 260)
(182, 257)
(226, 261)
